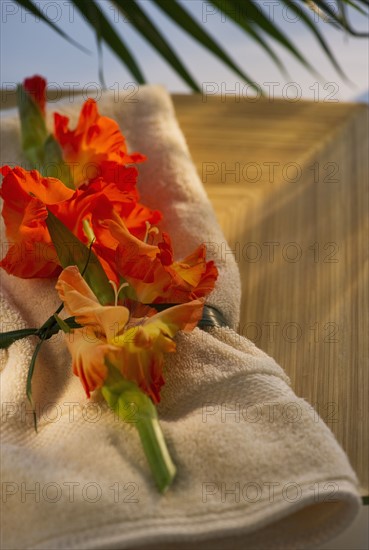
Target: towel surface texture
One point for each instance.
(257, 467)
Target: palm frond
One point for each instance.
(339, 16)
(187, 23)
(247, 15)
(306, 19)
(32, 8)
(143, 24)
(90, 10)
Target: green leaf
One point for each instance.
(315, 30)
(71, 322)
(66, 325)
(365, 2)
(63, 325)
(45, 332)
(326, 7)
(185, 21)
(8, 338)
(29, 379)
(121, 395)
(53, 163)
(249, 11)
(95, 17)
(29, 6)
(99, 42)
(356, 7)
(33, 127)
(143, 24)
(40, 148)
(71, 251)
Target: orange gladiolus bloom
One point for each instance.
(151, 270)
(25, 194)
(122, 195)
(103, 197)
(135, 347)
(93, 146)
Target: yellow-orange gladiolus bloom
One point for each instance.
(109, 335)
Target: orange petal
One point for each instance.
(181, 317)
(29, 260)
(70, 280)
(82, 303)
(31, 253)
(19, 184)
(95, 141)
(88, 358)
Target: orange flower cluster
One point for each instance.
(105, 200)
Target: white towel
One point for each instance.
(257, 467)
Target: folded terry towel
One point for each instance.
(257, 467)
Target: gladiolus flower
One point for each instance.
(151, 269)
(36, 88)
(28, 195)
(135, 347)
(123, 196)
(103, 197)
(25, 195)
(93, 146)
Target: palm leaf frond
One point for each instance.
(143, 24)
(28, 5)
(306, 19)
(105, 31)
(187, 23)
(248, 15)
(338, 16)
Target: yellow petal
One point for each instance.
(82, 303)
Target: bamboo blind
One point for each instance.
(300, 233)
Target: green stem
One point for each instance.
(156, 451)
(121, 395)
(8, 338)
(29, 380)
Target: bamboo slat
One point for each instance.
(299, 230)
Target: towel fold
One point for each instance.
(257, 467)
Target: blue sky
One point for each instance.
(28, 46)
